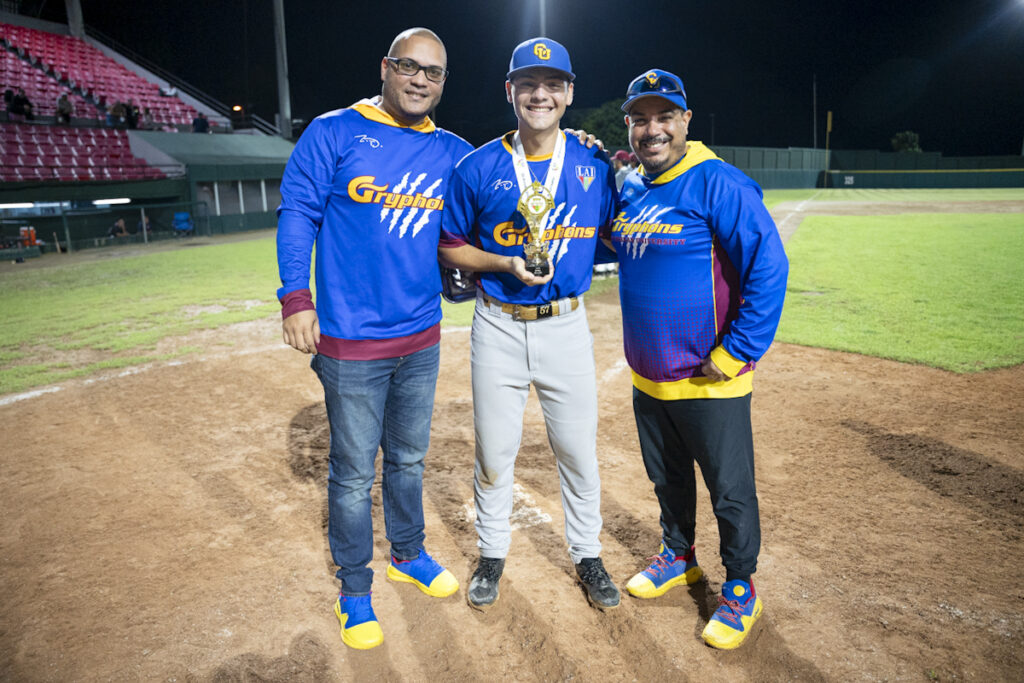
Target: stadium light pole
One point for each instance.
(284, 99)
(814, 109)
(543, 18)
(76, 26)
(828, 134)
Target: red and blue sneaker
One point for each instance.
(738, 609)
(665, 571)
(424, 573)
(359, 627)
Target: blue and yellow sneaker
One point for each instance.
(359, 627)
(425, 574)
(666, 571)
(738, 609)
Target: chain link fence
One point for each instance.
(114, 225)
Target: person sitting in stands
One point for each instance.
(119, 114)
(118, 229)
(132, 115)
(65, 110)
(148, 122)
(200, 124)
(21, 106)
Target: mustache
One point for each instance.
(654, 139)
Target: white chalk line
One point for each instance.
(35, 393)
(612, 372)
(15, 398)
(525, 511)
(28, 394)
(798, 209)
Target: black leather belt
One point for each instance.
(524, 312)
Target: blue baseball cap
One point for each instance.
(656, 83)
(540, 52)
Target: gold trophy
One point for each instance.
(534, 204)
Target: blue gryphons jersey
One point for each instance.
(481, 209)
(370, 192)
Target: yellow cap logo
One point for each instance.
(542, 51)
(652, 78)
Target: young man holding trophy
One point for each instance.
(523, 212)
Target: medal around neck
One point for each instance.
(534, 204)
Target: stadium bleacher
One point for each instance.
(73, 65)
(48, 65)
(29, 152)
(42, 90)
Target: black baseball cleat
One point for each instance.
(601, 592)
(483, 587)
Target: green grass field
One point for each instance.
(991, 194)
(112, 313)
(940, 289)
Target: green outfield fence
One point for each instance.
(925, 178)
(799, 167)
(75, 230)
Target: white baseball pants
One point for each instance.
(556, 355)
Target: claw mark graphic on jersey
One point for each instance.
(557, 234)
(412, 202)
(558, 247)
(636, 233)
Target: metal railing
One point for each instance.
(210, 101)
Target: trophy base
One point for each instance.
(537, 267)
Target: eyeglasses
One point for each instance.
(409, 67)
(663, 85)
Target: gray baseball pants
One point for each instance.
(556, 355)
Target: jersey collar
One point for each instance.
(696, 153)
(506, 142)
(370, 109)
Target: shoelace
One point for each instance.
(489, 571)
(733, 613)
(594, 572)
(659, 565)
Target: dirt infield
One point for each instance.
(170, 525)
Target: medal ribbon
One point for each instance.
(523, 175)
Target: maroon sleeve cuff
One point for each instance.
(450, 241)
(298, 300)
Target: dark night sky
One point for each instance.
(951, 71)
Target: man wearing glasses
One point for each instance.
(523, 212)
(702, 280)
(366, 184)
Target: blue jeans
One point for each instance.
(376, 403)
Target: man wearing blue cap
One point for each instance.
(702, 281)
(524, 212)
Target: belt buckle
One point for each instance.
(518, 311)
